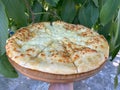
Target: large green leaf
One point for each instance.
(6, 68)
(15, 10)
(3, 28)
(52, 2)
(80, 1)
(115, 34)
(96, 3)
(115, 51)
(68, 10)
(45, 17)
(112, 41)
(106, 30)
(108, 10)
(118, 29)
(37, 8)
(88, 15)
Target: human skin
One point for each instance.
(61, 86)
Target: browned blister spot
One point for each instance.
(16, 50)
(60, 60)
(30, 50)
(67, 60)
(86, 50)
(76, 57)
(86, 34)
(22, 55)
(17, 57)
(38, 26)
(69, 44)
(83, 50)
(73, 27)
(12, 45)
(28, 54)
(102, 37)
(101, 46)
(65, 56)
(42, 54)
(93, 40)
(23, 34)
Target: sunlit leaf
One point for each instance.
(115, 51)
(45, 17)
(118, 29)
(96, 3)
(88, 15)
(3, 28)
(6, 68)
(68, 11)
(36, 8)
(108, 10)
(15, 10)
(113, 29)
(52, 2)
(106, 29)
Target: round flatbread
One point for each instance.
(58, 48)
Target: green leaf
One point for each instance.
(115, 33)
(36, 8)
(106, 29)
(118, 29)
(112, 33)
(80, 1)
(68, 10)
(52, 2)
(6, 68)
(115, 82)
(3, 28)
(115, 51)
(101, 3)
(88, 15)
(15, 10)
(96, 3)
(108, 10)
(45, 17)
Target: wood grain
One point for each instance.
(54, 78)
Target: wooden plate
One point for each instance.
(54, 78)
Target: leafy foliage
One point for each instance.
(3, 28)
(52, 2)
(68, 10)
(6, 68)
(16, 11)
(37, 7)
(96, 3)
(101, 15)
(88, 15)
(108, 10)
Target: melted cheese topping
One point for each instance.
(59, 48)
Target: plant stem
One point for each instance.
(118, 27)
(29, 10)
(56, 16)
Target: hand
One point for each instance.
(61, 86)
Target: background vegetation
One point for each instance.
(102, 15)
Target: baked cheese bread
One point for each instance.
(57, 48)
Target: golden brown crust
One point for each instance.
(50, 48)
